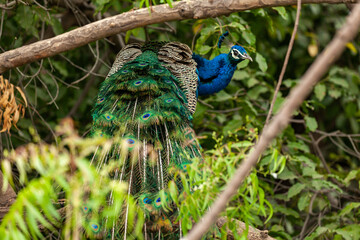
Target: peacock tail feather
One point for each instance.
(147, 101)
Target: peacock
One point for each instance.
(147, 100)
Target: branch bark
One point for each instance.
(6, 198)
(190, 9)
(253, 233)
(281, 120)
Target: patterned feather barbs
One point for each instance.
(147, 100)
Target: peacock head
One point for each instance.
(238, 54)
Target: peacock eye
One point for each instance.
(236, 53)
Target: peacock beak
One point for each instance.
(248, 57)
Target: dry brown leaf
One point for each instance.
(10, 110)
(22, 95)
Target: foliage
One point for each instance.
(65, 178)
(305, 185)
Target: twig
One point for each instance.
(94, 66)
(170, 26)
(319, 153)
(147, 36)
(226, 110)
(48, 91)
(303, 229)
(286, 61)
(81, 68)
(281, 120)
(344, 148)
(121, 40)
(206, 104)
(353, 145)
(8, 6)
(2, 22)
(41, 6)
(129, 20)
(335, 133)
(86, 89)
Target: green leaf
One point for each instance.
(349, 232)
(249, 37)
(204, 49)
(127, 36)
(261, 61)
(296, 189)
(311, 123)
(278, 103)
(282, 12)
(299, 146)
(286, 211)
(56, 25)
(170, 3)
(25, 18)
(320, 91)
(317, 233)
(334, 93)
(256, 91)
(243, 144)
(237, 25)
(252, 82)
(286, 174)
(351, 175)
(339, 81)
(290, 83)
(241, 75)
(303, 201)
(223, 96)
(319, 184)
(232, 125)
(243, 64)
(311, 172)
(349, 207)
(61, 67)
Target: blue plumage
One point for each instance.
(222, 38)
(216, 74)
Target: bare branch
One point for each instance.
(191, 9)
(291, 44)
(281, 120)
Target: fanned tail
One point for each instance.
(147, 101)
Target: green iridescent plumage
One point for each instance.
(148, 100)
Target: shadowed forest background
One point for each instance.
(306, 185)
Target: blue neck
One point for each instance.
(214, 75)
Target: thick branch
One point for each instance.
(253, 233)
(190, 9)
(281, 120)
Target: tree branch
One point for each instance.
(6, 198)
(291, 44)
(253, 233)
(190, 9)
(281, 120)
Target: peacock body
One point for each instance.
(147, 101)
